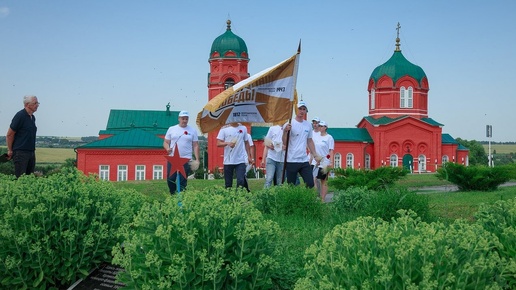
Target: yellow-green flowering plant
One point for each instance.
(404, 253)
(500, 219)
(54, 230)
(216, 239)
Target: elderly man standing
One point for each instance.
(300, 138)
(21, 137)
(187, 141)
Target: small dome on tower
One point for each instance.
(229, 45)
(398, 66)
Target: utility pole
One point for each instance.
(489, 134)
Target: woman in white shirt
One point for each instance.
(324, 146)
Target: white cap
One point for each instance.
(184, 114)
(322, 123)
(301, 104)
(316, 119)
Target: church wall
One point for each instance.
(89, 160)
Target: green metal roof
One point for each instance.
(396, 67)
(155, 131)
(132, 139)
(448, 139)
(338, 134)
(258, 133)
(386, 120)
(143, 119)
(229, 41)
(350, 134)
(431, 122)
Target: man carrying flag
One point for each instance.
(297, 136)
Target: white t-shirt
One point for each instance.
(299, 135)
(237, 154)
(183, 138)
(323, 145)
(275, 133)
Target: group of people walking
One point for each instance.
(308, 148)
(292, 139)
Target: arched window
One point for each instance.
(445, 159)
(409, 98)
(394, 160)
(373, 99)
(367, 164)
(406, 97)
(337, 160)
(229, 83)
(349, 160)
(421, 160)
(402, 97)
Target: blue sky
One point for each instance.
(84, 58)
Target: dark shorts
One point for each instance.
(321, 175)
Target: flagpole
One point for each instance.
(290, 120)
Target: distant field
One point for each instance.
(53, 155)
(501, 148)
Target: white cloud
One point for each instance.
(4, 11)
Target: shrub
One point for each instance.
(383, 204)
(386, 203)
(500, 219)
(379, 178)
(55, 230)
(469, 178)
(215, 240)
(405, 253)
(353, 199)
(289, 200)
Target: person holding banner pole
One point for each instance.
(235, 141)
(297, 136)
(248, 166)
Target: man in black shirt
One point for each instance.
(21, 137)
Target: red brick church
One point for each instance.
(398, 131)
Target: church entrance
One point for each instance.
(408, 162)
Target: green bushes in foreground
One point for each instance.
(216, 239)
(481, 178)
(380, 178)
(54, 230)
(384, 204)
(405, 253)
(288, 200)
(500, 219)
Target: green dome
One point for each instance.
(229, 41)
(398, 66)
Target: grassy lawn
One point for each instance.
(454, 205)
(446, 205)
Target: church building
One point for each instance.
(397, 131)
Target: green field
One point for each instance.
(53, 155)
(501, 148)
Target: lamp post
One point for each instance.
(489, 134)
